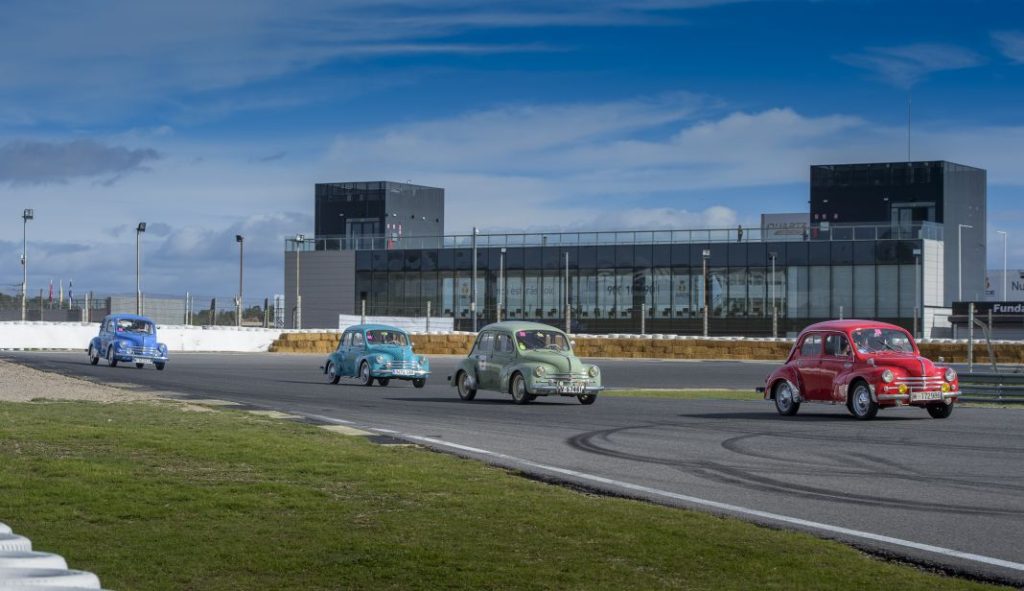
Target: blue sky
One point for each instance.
(209, 119)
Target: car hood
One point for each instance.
(395, 352)
(913, 365)
(562, 362)
(139, 340)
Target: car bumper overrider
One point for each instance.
(401, 374)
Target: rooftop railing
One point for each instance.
(821, 232)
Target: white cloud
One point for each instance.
(1011, 43)
(39, 162)
(905, 66)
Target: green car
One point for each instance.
(526, 360)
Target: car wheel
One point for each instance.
(519, 393)
(940, 411)
(419, 382)
(94, 357)
(383, 381)
(365, 379)
(111, 360)
(861, 406)
(785, 399)
(332, 375)
(159, 365)
(139, 365)
(587, 398)
(464, 384)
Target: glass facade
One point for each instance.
(616, 288)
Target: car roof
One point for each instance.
(515, 325)
(365, 327)
(127, 317)
(848, 325)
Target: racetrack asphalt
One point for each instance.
(943, 493)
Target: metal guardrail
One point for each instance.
(1003, 388)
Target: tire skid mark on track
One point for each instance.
(749, 479)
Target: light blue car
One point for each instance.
(129, 338)
(379, 352)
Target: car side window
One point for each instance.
(836, 345)
(811, 346)
(485, 344)
(503, 344)
(357, 339)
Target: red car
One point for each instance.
(863, 364)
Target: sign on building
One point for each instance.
(1014, 283)
(777, 227)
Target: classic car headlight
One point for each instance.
(888, 376)
(379, 359)
(422, 360)
(539, 371)
(161, 348)
(593, 371)
(122, 345)
(950, 374)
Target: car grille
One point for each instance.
(918, 384)
(144, 351)
(404, 365)
(566, 376)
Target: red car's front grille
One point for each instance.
(918, 384)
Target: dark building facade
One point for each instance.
(906, 193)
(353, 211)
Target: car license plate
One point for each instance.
(926, 396)
(402, 372)
(571, 387)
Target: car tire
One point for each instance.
(419, 382)
(462, 384)
(383, 381)
(111, 360)
(332, 375)
(518, 388)
(159, 365)
(139, 365)
(365, 378)
(94, 357)
(940, 411)
(785, 399)
(587, 399)
(860, 404)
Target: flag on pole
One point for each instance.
(60, 300)
(51, 292)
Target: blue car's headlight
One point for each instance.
(122, 345)
(162, 348)
(379, 359)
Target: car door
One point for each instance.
(340, 356)
(354, 351)
(503, 355)
(808, 366)
(106, 336)
(838, 357)
(481, 354)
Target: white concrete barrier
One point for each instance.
(76, 336)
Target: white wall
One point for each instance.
(72, 335)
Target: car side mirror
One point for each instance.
(942, 359)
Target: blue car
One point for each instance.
(379, 352)
(129, 338)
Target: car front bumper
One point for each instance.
(401, 374)
(140, 358)
(556, 389)
(917, 398)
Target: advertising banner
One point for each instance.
(777, 227)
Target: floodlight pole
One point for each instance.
(26, 215)
(472, 304)
(501, 282)
(138, 255)
(299, 242)
(704, 275)
(241, 265)
(960, 261)
(1004, 262)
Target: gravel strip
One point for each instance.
(24, 384)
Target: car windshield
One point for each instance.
(386, 337)
(877, 340)
(136, 326)
(551, 340)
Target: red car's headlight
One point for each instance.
(950, 374)
(888, 376)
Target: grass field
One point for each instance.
(154, 496)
